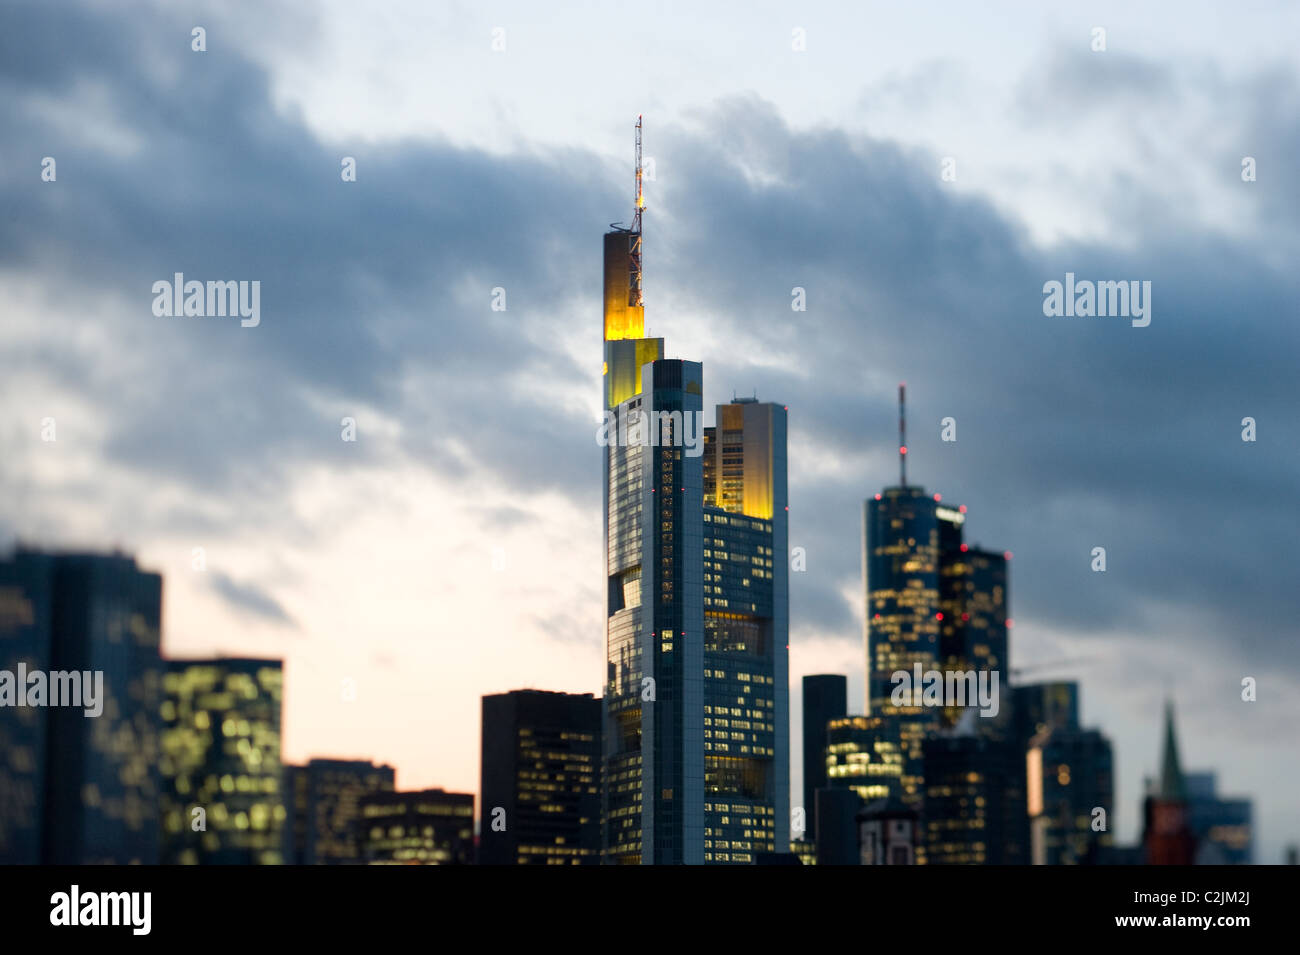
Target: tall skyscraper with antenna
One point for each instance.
(695, 758)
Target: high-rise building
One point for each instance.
(323, 804)
(540, 794)
(222, 783)
(825, 697)
(428, 827)
(84, 788)
(746, 634)
(837, 826)
(863, 754)
(696, 709)
(974, 801)
(1222, 827)
(1071, 796)
(1167, 835)
(900, 562)
(26, 611)
(1041, 706)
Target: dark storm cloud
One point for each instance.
(1072, 433)
(361, 282)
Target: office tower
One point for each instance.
(323, 805)
(900, 563)
(973, 602)
(26, 608)
(746, 636)
(863, 754)
(1070, 774)
(540, 793)
(974, 808)
(696, 710)
(837, 826)
(825, 697)
(222, 799)
(1040, 706)
(1167, 834)
(87, 784)
(428, 827)
(888, 833)
(1222, 827)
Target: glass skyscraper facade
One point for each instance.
(222, 781)
(84, 789)
(696, 702)
(901, 574)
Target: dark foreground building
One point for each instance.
(324, 809)
(540, 779)
(428, 827)
(78, 789)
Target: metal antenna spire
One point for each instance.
(902, 436)
(634, 294)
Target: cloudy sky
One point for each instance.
(454, 548)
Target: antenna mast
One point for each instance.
(634, 295)
(902, 436)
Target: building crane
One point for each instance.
(1016, 672)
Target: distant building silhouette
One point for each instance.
(1222, 827)
(428, 827)
(324, 808)
(825, 697)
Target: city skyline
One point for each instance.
(395, 560)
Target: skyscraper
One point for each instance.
(974, 801)
(696, 709)
(900, 561)
(84, 788)
(540, 794)
(746, 634)
(1070, 775)
(323, 803)
(222, 782)
(825, 697)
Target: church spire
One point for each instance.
(1172, 784)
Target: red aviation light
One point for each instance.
(938, 497)
(962, 508)
(877, 497)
